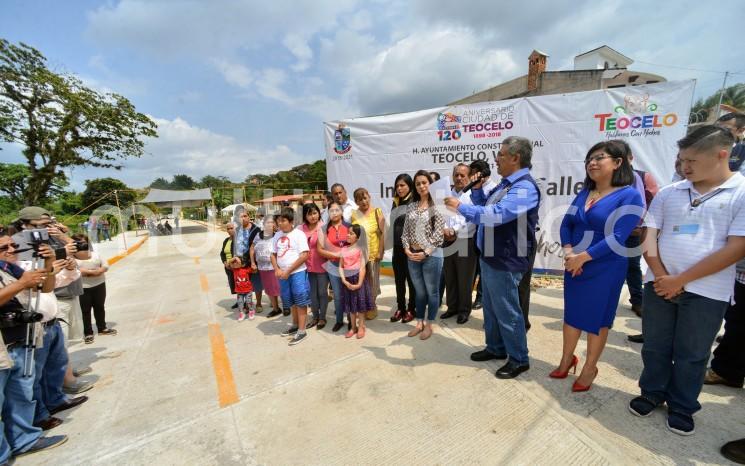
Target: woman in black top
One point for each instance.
(404, 187)
(226, 253)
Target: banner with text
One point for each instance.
(370, 152)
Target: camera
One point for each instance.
(36, 237)
(13, 314)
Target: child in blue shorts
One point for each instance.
(289, 254)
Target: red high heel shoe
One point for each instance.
(557, 374)
(578, 387)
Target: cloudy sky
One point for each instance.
(240, 87)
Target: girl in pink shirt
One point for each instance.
(319, 280)
(357, 297)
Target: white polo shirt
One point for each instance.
(689, 234)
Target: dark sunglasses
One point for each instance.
(8, 246)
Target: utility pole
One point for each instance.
(121, 222)
(721, 94)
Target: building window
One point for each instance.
(632, 79)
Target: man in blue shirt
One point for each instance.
(506, 217)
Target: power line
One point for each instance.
(688, 68)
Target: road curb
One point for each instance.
(114, 259)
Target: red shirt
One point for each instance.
(242, 280)
(337, 237)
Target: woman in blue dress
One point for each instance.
(593, 233)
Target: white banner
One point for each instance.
(370, 152)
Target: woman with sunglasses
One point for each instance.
(593, 234)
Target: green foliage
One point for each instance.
(183, 182)
(733, 95)
(100, 191)
(307, 177)
(60, 122)
(160, 183)
(15, 178)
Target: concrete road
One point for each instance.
(185, 383)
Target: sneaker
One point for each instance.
(44, 443)
(251, 315)
(259, 308)
(241, 316)
(641, 406)
(290, 331)
(286, 312)
(298, 338)
(679, 423)
(234, 306)
(274, 313)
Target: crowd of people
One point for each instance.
(50, 281)
(691, 234)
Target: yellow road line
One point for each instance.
(196, 260)
(114, 259)
(227, 394)
(203, 282)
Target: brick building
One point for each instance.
(600, 68)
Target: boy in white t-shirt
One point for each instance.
(695, 232)
(289, 253)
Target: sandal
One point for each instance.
(88, 339)
(415, 331)
(107, 331)
(321, 324)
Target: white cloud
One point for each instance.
(165, 28)
(185, 148)
(427, 69)
(234, 73)
(360, 21)
(298, 46)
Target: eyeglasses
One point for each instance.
(8, 246)
(596, 158)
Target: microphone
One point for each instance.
(472, 183)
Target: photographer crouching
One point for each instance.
(20, 328)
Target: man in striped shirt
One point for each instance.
(695, 233)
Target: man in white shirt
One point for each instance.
(347, 205)
(460, 253)
(695, 232)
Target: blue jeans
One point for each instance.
(426, 278)
(634, 272)
(51, 363)
(17, 400)
(504, 323)
(678, 335)
(319, 296)
(336, 287)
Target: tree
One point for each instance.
(60, 122)
(183, 182)
(160, 183)
(733, 95)
(14, 179)
(100, 191)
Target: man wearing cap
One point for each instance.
(18, 435)
(57, 361)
